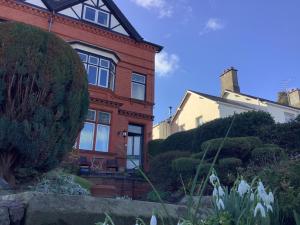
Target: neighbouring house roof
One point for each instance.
(59, 5)
(263, 100)
(213, 98)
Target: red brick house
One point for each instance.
(120, 68)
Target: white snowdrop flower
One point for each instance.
(269, 208)
(243, 188)
(221, 191)
(213, 179)
(153, 220)
(215, 193)
(259, 208)
(252, 197)
(271, 197)
(220, 204)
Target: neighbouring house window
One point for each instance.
(100, 70)
(289, 117)
(199, 121)
(95, 134)
(138, 86)
(96, 16)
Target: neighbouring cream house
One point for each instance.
(197, 108)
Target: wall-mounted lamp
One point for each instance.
(124, 133)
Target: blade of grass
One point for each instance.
(297, 218)
(183, 185)
(156, 193)
(211, 168)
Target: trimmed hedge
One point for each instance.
(239, 147)
(229, 164)
(161, 173)
(184, 164)
(267, 154)
(246, 124)
(154, 147)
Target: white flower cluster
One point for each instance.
(264, 201)
(218, 192)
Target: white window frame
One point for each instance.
(99, 77)
(96, 16)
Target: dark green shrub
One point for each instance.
(246, 124)
(152, 197)
(198, 155)
(161, 173)
(286, 135)
(43, 98)
(154, 147)
(238, 147)
(267, 154)
(181, 141)
(185, 165)
(229, 164)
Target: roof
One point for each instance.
(219, 99)
(58, 5)
(263, 100)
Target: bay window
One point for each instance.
(95, 134)
(100, 70)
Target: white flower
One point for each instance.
(215, 193)
(220, 204)
(213, 179)
(153, 220)
(259, 208)
(269, 207)
(271, 197)
(252, 197)
(221, 191)
(243, 188)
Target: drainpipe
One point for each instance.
(50, 21)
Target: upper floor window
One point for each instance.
(101, 71)
(95, 134)
(138, 86)
(199, 121)
(96, 16)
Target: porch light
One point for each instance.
(124, 133)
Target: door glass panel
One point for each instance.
(135, 129)
(131, 165)
(87, 136)
(129, 145)
(137, 146)
(102, 138)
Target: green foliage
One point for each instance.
(161, 173)
(84, 183)
(185, 165)
(154, 147)
(43, 98)
(285, 177)
(285, 135)
(151, 196)
(246, 124)
(229, 164)
(267, 154)
(224, 218)
(238, 147)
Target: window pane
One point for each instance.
(139, 78)
(102, 138)
(87, 136)
(103, 81)
(83, 57)
(137, 146)
(138, 91)
(112, 81)
(90, 14)
(92, 74)
(93, 60)
(135, 129)
(104, 118)
(129, 145)
(131, 165)
(104, 63)
(103, 18)
(91, 115)
(113, 67)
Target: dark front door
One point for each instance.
(134, 146)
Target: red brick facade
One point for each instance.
(134, 57)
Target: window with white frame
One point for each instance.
(138, 86)
(289, 117)
(96, 16)
(95, 134)
(100, 70)
(199, 121)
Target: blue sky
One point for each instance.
(202, 38)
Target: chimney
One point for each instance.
(283, 98)
(294, 98)
(229, 81)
